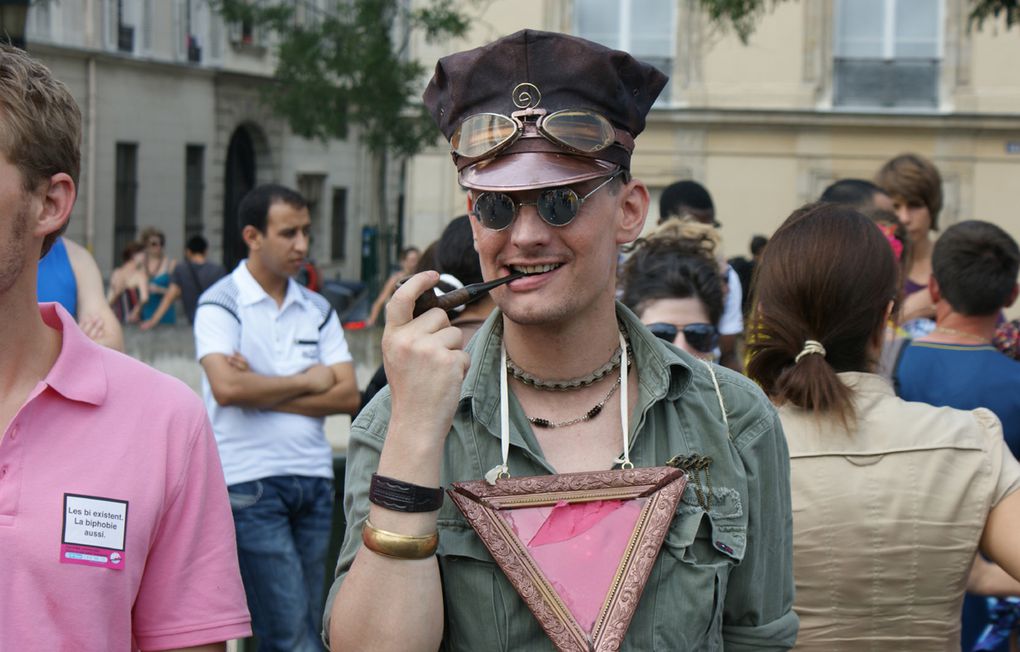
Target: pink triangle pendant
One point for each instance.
(577, 547)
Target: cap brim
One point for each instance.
(529, 170)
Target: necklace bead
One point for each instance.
(539, 422)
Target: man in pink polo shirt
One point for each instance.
(114, 522)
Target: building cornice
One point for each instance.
(834, 119)
(142, 62)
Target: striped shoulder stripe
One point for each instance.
(223, 294)
(321, 304)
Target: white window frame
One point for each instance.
(888, 50)
(625, 36)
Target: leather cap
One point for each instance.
(568, 73)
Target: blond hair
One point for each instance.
(705, 235)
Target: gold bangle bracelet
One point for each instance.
(398, 546)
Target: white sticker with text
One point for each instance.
(94, 526)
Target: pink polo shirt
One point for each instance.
(115, 528)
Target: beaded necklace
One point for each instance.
(568, 384)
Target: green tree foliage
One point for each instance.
(983, 10)
(349, 66)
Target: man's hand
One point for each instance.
(425, 364)
(320, 378)
(238, 361)
(148, 324)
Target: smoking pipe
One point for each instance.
(460, 296)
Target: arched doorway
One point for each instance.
(239, 178)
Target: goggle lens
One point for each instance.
(580, 130)
(701, 337)
(483, 133)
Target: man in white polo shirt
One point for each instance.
(276, 363)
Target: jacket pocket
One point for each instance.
(700, 549)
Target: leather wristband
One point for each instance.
(401, 496)
(398, 546)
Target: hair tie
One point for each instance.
(810, 346)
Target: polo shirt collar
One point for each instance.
(251, 292)
(79, 373)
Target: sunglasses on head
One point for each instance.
(557, 206)
(701, 337)
(578, 130)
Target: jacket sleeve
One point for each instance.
(758, 611)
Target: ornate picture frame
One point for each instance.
(512, 514)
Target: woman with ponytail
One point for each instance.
(891, 500)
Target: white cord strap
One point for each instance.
(503, 470)
(718, 393)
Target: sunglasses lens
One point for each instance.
(558, 206)
(580, 130)
(702, 337)
(663, 331)
(494, 210)
(482, 133)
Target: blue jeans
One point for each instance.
(283, 526)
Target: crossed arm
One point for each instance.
(317, 391)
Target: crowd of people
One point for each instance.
(840, 406)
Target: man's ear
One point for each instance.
(933, 289)
(251, 236)
(633, 201)
(57, 202)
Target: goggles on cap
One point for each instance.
(702, 337)
(557, 206)
(576, 130)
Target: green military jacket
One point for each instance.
(724, 576)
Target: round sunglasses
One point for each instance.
(557, 206)
(701, 337)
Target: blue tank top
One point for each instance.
(56, 279)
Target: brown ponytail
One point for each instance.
(827, 275)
